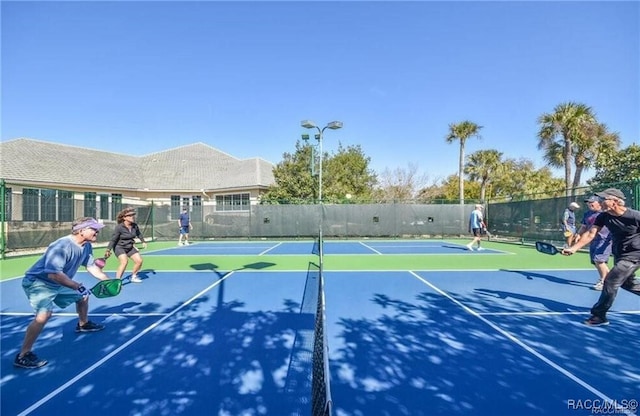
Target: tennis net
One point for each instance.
(321, 404)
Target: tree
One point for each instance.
(461, 132)
(400, 184)
(613, 166)
(348, 176)
(294, 181)
(449, 189)
(346, 172)
(562, 133)
(596, 139)
(520, 177)
(482, 166)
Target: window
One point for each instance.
(116, 205)
(234, 202)
(193, 204)
(90, 206)
(47, 205)
(104, 206)
(65, 206)
(196, 211)
(30, 204)
(175, 206)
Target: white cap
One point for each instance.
(574, 205)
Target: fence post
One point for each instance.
(152, 215)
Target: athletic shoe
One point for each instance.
(599, 285)
(480, 248)
(470, 248)
(29, 360)
(135, 279)
(179, 244)
(89, 327)
(596, 321)
(186, 243)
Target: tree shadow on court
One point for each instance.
(426, 356)
(208, 357)
(431, 357)
(214, 268)
(554, 279)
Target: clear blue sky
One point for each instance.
(142, 77)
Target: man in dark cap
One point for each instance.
(624, 225)
(600, 247)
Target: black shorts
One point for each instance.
(129, 251)
(477, 232)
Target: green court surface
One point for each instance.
(513, 256)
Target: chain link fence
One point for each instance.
(32, 218)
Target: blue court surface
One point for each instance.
(330, 247)
(500, 342)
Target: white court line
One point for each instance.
(369, 247)
(526, 347)
(269, 249)
(548, 313)
(75, 315)
(113, 353)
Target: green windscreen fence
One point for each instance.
(34, 217)
(530, 218)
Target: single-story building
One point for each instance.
(45, 181)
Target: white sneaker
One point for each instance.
(179, 244)
(599, 285)
(186, 243)
(480, 248)
(469, 247)
(135, 279)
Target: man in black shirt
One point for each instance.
(624, 225)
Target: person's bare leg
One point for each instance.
(33, 331)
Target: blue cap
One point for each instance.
(592, 198)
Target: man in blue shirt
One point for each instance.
(49, 282)
(569, 223)
(184, 222)
(476, 226)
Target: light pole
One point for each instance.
(334, 125)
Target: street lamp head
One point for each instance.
(335, 125)
(308, 124)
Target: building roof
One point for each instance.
(192, 167)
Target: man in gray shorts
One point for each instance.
(49, 282)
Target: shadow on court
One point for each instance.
(430, 357)
(210, 357)
(553, 279)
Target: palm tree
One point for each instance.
(596, 139)
(461, 132)
(482, 166)
(559, 135)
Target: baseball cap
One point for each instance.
(574, 205)
(89, 223)
(611, 192)
(592, 198)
